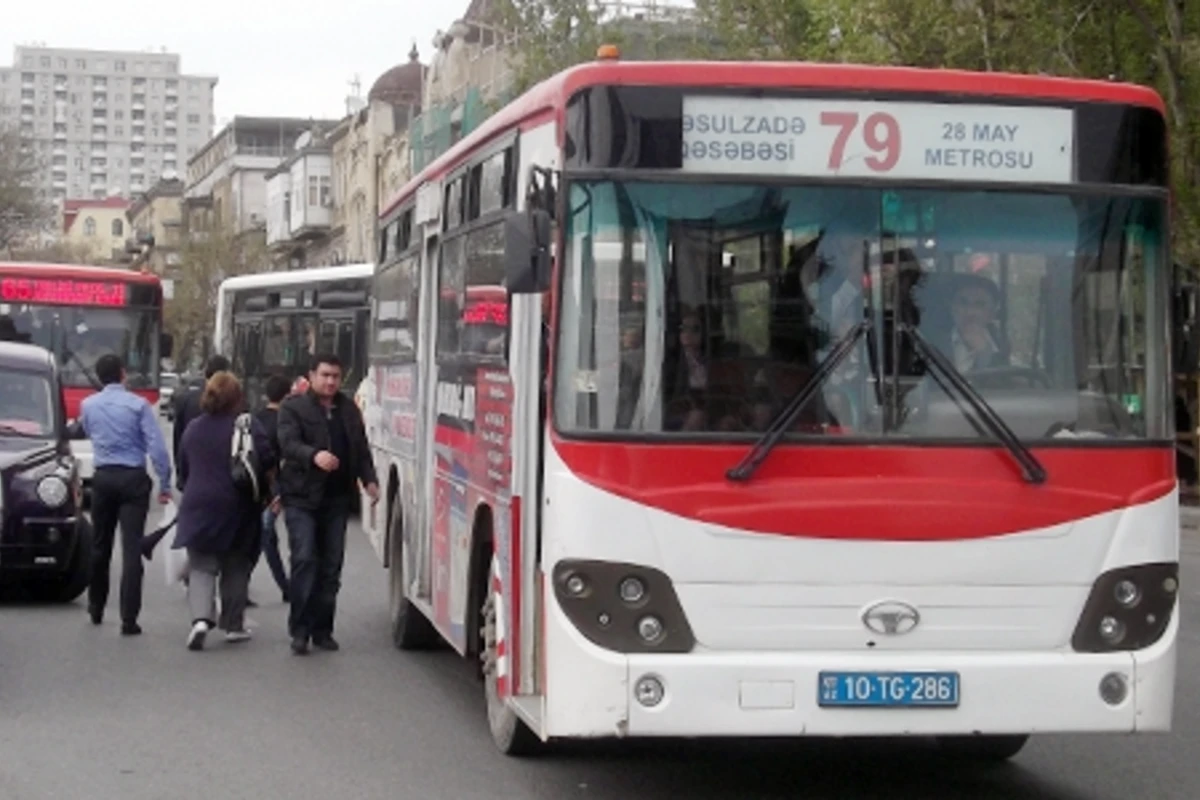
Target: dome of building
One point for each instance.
(402, 84)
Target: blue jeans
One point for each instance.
(317, 540)
(270, 548)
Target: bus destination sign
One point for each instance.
(62, 292)
(888, 140)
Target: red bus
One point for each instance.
(80, 313)
(853, 416)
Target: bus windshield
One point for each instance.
(690, 311)
(80, 335)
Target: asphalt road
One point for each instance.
(86, 713)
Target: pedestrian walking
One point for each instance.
(187, 404)
(218, 519)
(277, 389)
(124, 432)
(324, 449)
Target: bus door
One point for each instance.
(536, 148)
(421, 531)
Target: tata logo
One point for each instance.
(891, 618)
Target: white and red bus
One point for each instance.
(81, 313)
(854, 419)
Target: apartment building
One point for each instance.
(96, 227)
(229, 172)
(105, 122)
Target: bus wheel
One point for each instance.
(509, 732)
(410, 629)
(982, 748)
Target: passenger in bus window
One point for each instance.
(974, 337)
(688, 381)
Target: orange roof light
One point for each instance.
(608, 52)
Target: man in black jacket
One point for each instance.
(187, 404)
(324, 447)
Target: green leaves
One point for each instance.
(22, 209)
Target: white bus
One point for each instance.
(272, 323)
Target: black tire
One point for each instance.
(510, 733)
(68, 585)
(410, 628)
(988, 749)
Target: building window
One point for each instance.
(119, 66)
(80, 63)
(319, 188)
(89, 227)
(118, 229)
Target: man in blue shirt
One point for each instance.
(124, 431)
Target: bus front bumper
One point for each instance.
(777, 694)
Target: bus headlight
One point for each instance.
(627, 608)
(1129, 608)
(53, 491)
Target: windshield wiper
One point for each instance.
(1031, 469)
(6, 428)
(783, 420)
(87, 371)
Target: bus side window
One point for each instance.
(450, 296)
(485, 324)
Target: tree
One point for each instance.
(61, 252)
(22, 211)
(551, 34)
(206, 259)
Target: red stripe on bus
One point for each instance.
(886, 493)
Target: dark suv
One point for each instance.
(45, 541)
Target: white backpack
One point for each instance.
(243, 462)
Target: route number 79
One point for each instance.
(880, 133)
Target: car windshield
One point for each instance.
(701, 310)
(88, 333)
(27, 408)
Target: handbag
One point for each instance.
(244, 465)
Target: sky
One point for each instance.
(272, 57)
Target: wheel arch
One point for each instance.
(482, 548)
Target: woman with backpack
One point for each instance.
(224, 457)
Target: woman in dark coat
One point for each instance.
(217, 522)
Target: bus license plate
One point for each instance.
(888, 689)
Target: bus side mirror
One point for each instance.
(527, 251)
(166, 345)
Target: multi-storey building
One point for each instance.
(229, 172)
(105, 122)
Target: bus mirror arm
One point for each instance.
(527, 251)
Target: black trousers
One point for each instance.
(119, 495)
(317, 541)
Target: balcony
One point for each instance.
(279, 211)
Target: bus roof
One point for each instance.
(296, 276)
(550, 96)
(77, 272)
